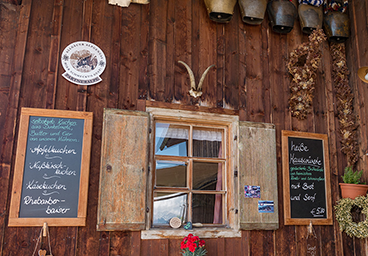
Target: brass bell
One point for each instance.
(220, 10)
(336, 26)
(253, 11)
(282, 14)
(310, 17)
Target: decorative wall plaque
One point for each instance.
(83, 63)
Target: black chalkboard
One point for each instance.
(51, 153)
(306, 173)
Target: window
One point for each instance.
(160, 164)
(190, 163)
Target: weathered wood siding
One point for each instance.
(143, 44)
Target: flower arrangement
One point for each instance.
(345, 104)
(193, 246)
(345, 219)
(302, 66)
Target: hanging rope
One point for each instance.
(44, 229)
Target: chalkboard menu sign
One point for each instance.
(51, 168)
(306, 176)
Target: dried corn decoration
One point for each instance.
(345, 101)
(303, 65)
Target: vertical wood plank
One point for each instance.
(357, 57)
(22, 16)
(52, 70)
(170, 51)
(331, 128)
(36, 60)
(157, 49)
(294, 39)
(233, 246)
(129, 57)
(232, 63)
(86, 36)
(285, 243)
(120, 244)
(101, 95)
(243, 58)
(135, 243)
(220, 66)
(174, 247)
(322, 104)
(143, 68)
(67, 92)
(182, 36)
(254, 62)
(8, 27)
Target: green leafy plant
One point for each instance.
(352, 177)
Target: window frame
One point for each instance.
(230, 226)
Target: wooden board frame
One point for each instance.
(286, 181)
(80, 220)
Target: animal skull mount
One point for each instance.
(195, 91)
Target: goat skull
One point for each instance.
(195, 91)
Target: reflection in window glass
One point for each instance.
(207, 176)
(171, 140)
(207, 142)
(207, 209)
(167, 206)
(171, 174)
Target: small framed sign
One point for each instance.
(306, 177)
(51, 169)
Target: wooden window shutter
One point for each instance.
(123, 172)
(258, 167)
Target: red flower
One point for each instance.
(192, 244)
(201, 243)
(183, 245)
(192, 247)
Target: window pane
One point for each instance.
(207, 142)
(171, 140)
(207, 176)
(167, 206)
(171, 174)
(207, 209)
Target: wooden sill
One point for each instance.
(181, 233)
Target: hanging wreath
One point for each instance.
(303, 64)
(345, 219)
(345, 104)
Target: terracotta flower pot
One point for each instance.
(353, 190)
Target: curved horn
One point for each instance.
(203, 76)
(191, 75)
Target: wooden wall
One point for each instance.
(143, 44)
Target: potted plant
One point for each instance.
(352, 186)
(193, 246)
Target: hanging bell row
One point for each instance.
(329, 14)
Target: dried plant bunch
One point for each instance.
(345, 100)
(303, 64)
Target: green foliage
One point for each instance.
(352, 177)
